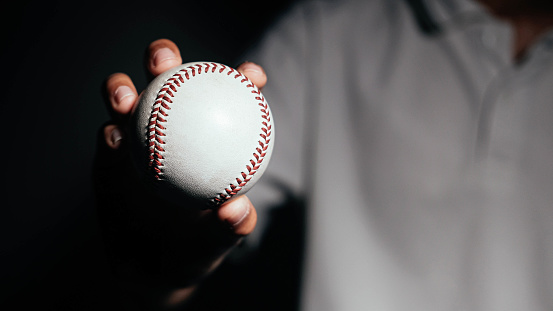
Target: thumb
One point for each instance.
(239, 213)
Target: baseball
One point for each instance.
(202, 130)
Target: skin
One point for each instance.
(529, 19)
(208, 234)
(233, 211)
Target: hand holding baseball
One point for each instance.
(143, 230)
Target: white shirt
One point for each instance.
(426, 161)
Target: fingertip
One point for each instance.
(163, 55)
(113, 136)
(122, 93)
(254, 72)
(240, 214)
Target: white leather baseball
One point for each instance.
(202, 130)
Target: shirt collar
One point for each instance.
(451, 14)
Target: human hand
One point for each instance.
(150, 240)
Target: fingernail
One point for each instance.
(251, 68)
(241, 210)
(162, 55)
(122, 93)
(116, 137)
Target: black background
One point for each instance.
(55, 56)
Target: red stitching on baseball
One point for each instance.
(160, 112)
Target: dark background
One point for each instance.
(55, 56)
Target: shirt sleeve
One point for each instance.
(283, 54)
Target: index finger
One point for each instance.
(254, 72)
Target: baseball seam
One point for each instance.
(157, 125)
